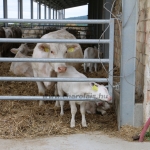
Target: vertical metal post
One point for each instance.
(39, 10)
(21, 9)
(5, 13)
(127, 88)
(53, 13)
(49, 10)
(111, 57)
(31, 2)
(18, 9)
(56, 13)
(64, 14)
(45, 10)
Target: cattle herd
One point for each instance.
(63, 70)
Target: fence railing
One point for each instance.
(109, 41)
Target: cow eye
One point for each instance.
(52, 52)
(66, 51)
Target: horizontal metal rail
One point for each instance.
(54, 79)
(54, 60)
(50, 98)
(89, 21)
(31, 40)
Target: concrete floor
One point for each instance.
(88, 141)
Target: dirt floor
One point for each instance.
(24, 119)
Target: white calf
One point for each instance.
(91, 108)
(83, 89)
(90, 53)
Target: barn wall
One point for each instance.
(144, 51)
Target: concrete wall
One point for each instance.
(142, 53)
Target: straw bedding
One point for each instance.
(25, 119)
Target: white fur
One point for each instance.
(91, 53)
(56, 50)
(79, 88)
(21, 68)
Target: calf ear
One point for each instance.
(94, 86)
(44, 47)
(72, 47)
(14, 50)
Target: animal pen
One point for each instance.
(117, 52)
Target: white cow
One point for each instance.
(21, 68)
(83, 89)
(54, 50)
(90, 53)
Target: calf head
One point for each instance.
(100, 92)
(56, 50)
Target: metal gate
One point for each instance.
(109, 41)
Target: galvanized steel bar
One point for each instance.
(48, 98)
(54, 60)
(90, 21)
(111, 57)
(24, 40)
(53, 79)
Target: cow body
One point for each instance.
(54, 50)
(90, 53)
(21, 68)
(83, 89)
(10, 32)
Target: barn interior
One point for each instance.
(21, 119)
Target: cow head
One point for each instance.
(100, 92)
(57, 50)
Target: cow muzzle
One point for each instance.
(62, 69)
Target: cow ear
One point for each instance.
(14, 50)
(44, 47)
(72, 47)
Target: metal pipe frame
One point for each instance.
(111, 57)
(90, 21)
(53, 79)
(17, 40)
(48, 98)
(54, 60)
(127, 88)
